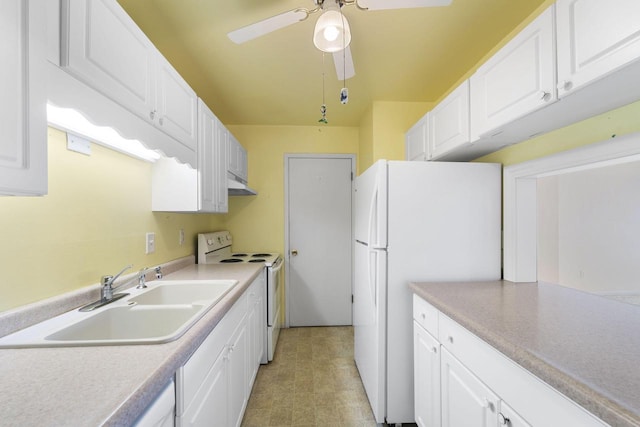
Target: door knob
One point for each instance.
(294, 252)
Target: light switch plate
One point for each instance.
(150, 243)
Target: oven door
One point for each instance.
(274, 295)
(274, 306)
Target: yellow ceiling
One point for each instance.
(409, 55)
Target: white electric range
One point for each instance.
(215, 248)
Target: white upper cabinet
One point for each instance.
(517, 80)
(416, 140)
(211, 162)
(102, 46)
(595, 37)
(176, 104)
(23, 120)
(237, 158)
(449, 123)
(177, 187)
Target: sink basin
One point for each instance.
(130, 324)
(184, 292)
(161, 313)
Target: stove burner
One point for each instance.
(230, 260)
(260, 255)
(257, 260)
(239, 255)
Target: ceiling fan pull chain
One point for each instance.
(323, 107)
(344, 92)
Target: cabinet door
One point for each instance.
(176, 104)
(161, 412)
(510, 418)
(594, 39)
(426, 377)
(207, 159)
(104, 47)
(234, 155)
(465, 400)
(237, 390)
(23, 120)
(518, 79)
(221, 147)
(416, 141)
(210, 405)
(243, 169)
(449, 122)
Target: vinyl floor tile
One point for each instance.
(312, 381)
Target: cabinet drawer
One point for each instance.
(425, 315)
(533, 399)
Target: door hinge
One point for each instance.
(351, 298)
(351, 176)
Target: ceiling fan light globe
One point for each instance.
(332, 32)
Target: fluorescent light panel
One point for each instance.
(68, 119)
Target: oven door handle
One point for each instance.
(277, 266)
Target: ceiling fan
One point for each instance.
(332, 33)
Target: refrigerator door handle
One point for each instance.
(373, 218)
(373, 278)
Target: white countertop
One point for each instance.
(105, 385)
(583, 345)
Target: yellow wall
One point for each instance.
(382, 130)
(257, 222)
(92, 222)
(617, 122)
(365, 142)
(391, 120)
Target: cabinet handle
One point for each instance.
(505, 421)
(152, 115)
(566, 85)
(450, 339)
(424, 316)
(489, 404)
(434, 349)
(161, 121)
(544, 96)
(294, 252)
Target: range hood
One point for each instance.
(237, 188)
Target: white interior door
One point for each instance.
(319, 215)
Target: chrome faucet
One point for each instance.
(106, 288)
(107, 284)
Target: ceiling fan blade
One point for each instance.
(344, 64)
(401, 4)
(267, 26)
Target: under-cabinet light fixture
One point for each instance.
(70, 120)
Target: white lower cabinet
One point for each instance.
(213, 387)
(477, 385)
(466, 401)
(426, 357)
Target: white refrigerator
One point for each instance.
(414, 221)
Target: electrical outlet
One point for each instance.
(150, 242)
(181, 237)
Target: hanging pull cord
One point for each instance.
(323, 107)
(344, 92)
